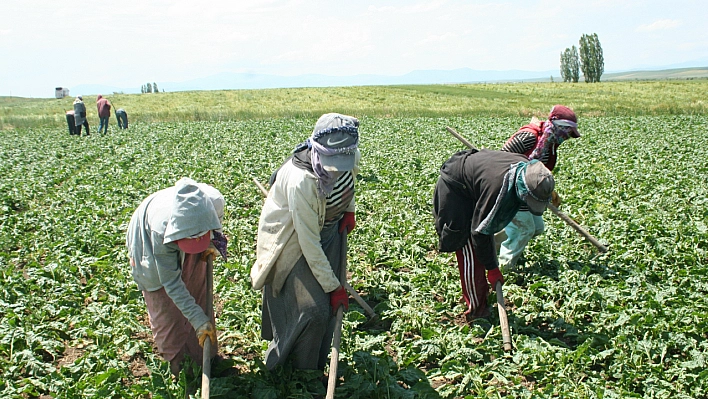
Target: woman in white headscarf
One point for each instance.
(168, 238)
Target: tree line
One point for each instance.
(149, 88)
(588, 59)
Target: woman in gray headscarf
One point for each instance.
(301, 244)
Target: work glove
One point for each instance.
(347, 222)
(555, 199)
(206, 330)
(338, 298)
(211, 251)
(493, 276)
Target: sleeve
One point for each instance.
(129, 237)
(167, 262)
(305, 215)
(485, 250)
(520, 143)
(355, 172)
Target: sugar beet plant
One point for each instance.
(629, 323)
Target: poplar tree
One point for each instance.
(565, 66)
(574, 65)
(570, 65)
(592, 61)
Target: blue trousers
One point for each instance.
(103, 124)
(122, 119)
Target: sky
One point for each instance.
(50, 43)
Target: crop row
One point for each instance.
(629, 323)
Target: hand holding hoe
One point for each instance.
(337, 337)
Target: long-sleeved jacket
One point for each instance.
(104, 107)
(79, 112)
(289, 227)
(161, 219)
(474, 198)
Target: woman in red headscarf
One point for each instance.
(537, 140)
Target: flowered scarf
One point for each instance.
(554, 134)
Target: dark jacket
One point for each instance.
(475, 197)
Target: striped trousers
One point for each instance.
(473, 277)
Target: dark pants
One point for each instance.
(122, 118)
(299, 321)
(71, 123)
(78, 129)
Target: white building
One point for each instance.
(61, 92)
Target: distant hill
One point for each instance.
(233, 81)
(678, 73)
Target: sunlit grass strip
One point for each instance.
(685, 97)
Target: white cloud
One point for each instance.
(661, 24)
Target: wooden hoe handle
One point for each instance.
(503, 320)
(206, 354)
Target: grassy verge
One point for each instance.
(501, 100)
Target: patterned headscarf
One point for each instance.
(327, 125)
(561, 125)
(554, 132)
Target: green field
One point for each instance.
(629, 323)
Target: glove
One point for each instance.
(339, 298)
(348, 222)
(211, 251)
(206, 330)
(493, 276)
(555, 199)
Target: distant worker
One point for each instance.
(71, 122)
(104, 113)
(538, 140)
(122, 118)
(477, 194)
(169, 238)
(80, 116)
